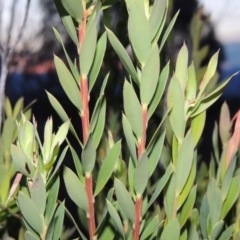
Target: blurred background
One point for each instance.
(30, 65)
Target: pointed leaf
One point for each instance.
(107, 167)
(124, 200)
(224, 124)
(141, 174)
(168, 232)
(58, 221)
(38, 192)
(68, 83)
(159, 90)
(232, 196)
(22, 163)
(139, 31)
(75, 189)
(123, 55)
(214, 200)
(159, 186)
(30, 236)
(150, 75)
(52, 200)
(74, 8)
(181, 70)
(88, 47)
(217, 229)
(150, 228)
(89, 156)
(115, 217)
(132, 109)
(98, 59)
(30, 212)
(188, 206)
(177, 115)
(129, 137)
(184, 162)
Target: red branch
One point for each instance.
(138, 212)
(141, 149)
(91, 219)
(85, 129)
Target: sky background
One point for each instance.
(225, 15)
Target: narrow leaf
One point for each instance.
(107, 167)
(168, 232)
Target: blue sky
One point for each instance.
(225, 15)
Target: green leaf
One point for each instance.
(193, 234)
(131, 169)
(98, 59)
(224, 123)
(176, 101)
(89, 156)
(214, 200)
(75, 224)
(62, 114)
(216, 230)
(150, 75)
(52, 200)
(61, 134)
(159, 90)
(70, 27)
(228, 178)
(74, 8)
(169, 196)
(139, 31)
(75, 189)
(124, 200)
(154, 156)
(8, 108)
(88, 48)
(123, 55)
(47, 140)
(204, 213)
(153, 224)
(22, 163)
(68, 83)
(18, 108)
(132, 109)
(188, 206)
(30, 236)
(171, 230)
(168, 30)
(189, 183)
(184, 162)
(38, 192)
(141, 174)
(107, 167)
(181, 70)
(197, 126)
(157, 15)
(211, 69)
(227, 233)
(115, 217)
(58, 221)
(191, 88)
(99, 128)
(30, 212)
(129, 138)
(160, 184)
(211, 98)
(232, 196)
(78, 165)
(73, 68)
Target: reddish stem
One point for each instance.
(90, 216)
(85, 129)
(141, 149)
(85, 111)
(138, 212)
(142, 142)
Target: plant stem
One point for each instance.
(138, 212)
(91, 219)
(85, 129)
(141, 149)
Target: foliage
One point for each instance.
(128, 194)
